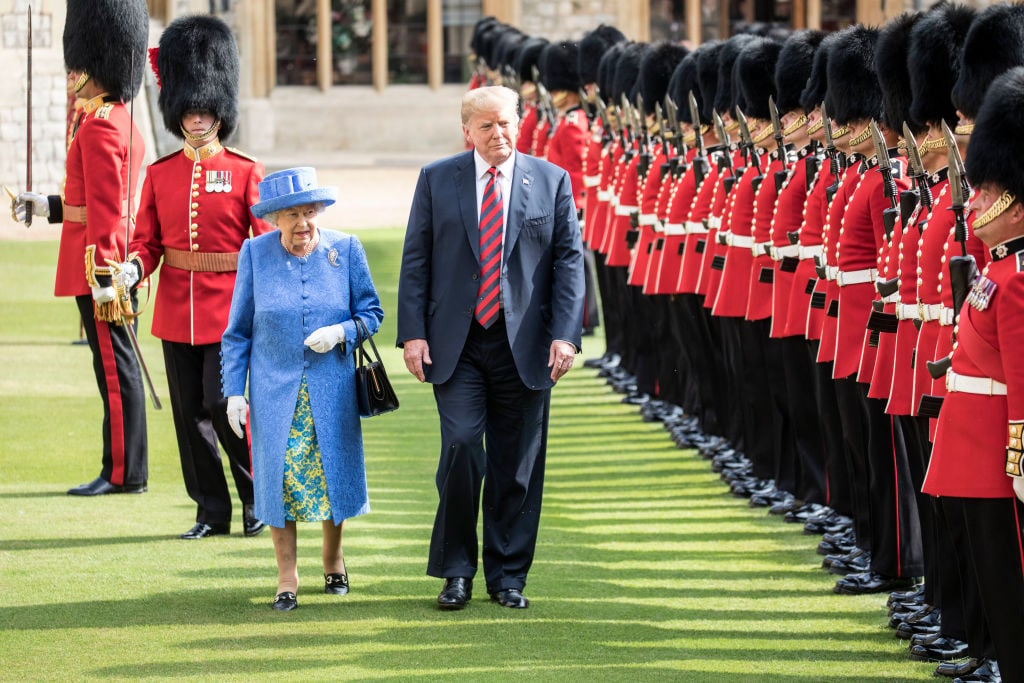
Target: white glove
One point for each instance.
(238, 414)
(325, 338)
(126, 274)
(39, 204)
(103, 295)
(1018, 488)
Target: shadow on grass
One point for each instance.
(68, 543)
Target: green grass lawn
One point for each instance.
(646, 569)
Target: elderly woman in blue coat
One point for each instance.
(291, 332)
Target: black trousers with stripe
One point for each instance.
(125, 446)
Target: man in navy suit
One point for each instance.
(490, 311)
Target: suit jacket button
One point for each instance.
(476, 276)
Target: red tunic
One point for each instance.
(610, 166)
(646, 202)
(184, 207)
(731, 299)
(96, 187)
(889, 260)
(800, 317)
(861, 237)
(830, 241)
(969, 456)
(567, 147)
(527, 126)
(657, 281)
(789, 211)
(759, 294)
(699, 239)
(714, 254)
(592, 167)
(616, 245)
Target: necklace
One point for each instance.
(309, 247)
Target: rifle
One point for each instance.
(917, 172)
(645, 137)
(836, 161)
(747, 143)
(628, 132)
(700, 161)
(586, 105)
(963, 270)
(606, 117)
(725, 159)
(780, 176)
(888, 184)
(679, 146)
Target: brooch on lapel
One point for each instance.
(526, 181)
(332, 257)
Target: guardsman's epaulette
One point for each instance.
(241, 154)
(104, 111)
(572, 116)
(166, 157)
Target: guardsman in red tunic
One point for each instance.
(526, 62)
(105, 53)
(193, 217)
(976, 464)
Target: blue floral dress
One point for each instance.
(305, 487)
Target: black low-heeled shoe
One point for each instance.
(336, 584)
(285, 601)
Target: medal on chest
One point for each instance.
(981, 293)
(218, 181)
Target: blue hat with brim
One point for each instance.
(292, 187)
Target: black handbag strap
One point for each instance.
(364, 335)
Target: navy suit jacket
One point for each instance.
(541, 274)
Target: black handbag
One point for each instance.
(374, 393)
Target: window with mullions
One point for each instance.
(296, 41)
(407, 41)
(351, 29)
(458, 18)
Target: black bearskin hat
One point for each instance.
(684, 81)
(198, 67)
(755, 69)
(707, 76)
(627, 71)
(794, 68)
(528, 57)
(489, 42)
(505, 49)
(997, 143)
(593, 46)
(853, 92)
(727, 92)
(935, 46)
(107, 39)
(817, 83)
(606, 71)
(558, 67)
(482, 26)
(656, 70)
(995, 43)
(893, 75)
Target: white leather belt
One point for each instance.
(613, 199)
(790, 250)
(592, 181)
(715, 222)
(741, 241)
(893, 298)
(648, 219)
(811, 251)
(831, 272)
(929, 312)
(758, 248)
(845, 278)
(604, 195)
(907, 312)
(622, 210)
(695, 228)
(675, 229)
(947, 316)
(965, 384)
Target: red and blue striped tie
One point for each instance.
(491, 220)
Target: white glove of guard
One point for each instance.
(238, 414)
(103, 295)
(39, 203)
(127, 275)
(1018, 488)
(325, 338)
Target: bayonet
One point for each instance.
(917, 172)
(777, 131)
(28, 122)
(835, 162)
(645, 148)
(748, 144)
(724, 159)
(888, 183)
(666, 134)
(672, 116)
(695, 121)
(588, 107)
(958, 187)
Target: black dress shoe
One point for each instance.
(101, 487)
(988, 672)
(924, 620)
(941, 649)
(511, 597)
(336, 584)
(916, 594)
(803, 513)
(864, 583)
(958, 668)
(285, 602)
(201, 530)
(456, 593)
(251, 524)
